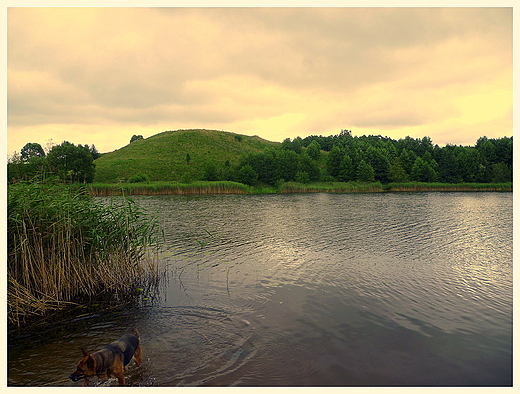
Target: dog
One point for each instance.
(110, 360)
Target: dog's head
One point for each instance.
(86, 367)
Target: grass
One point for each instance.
(163, 157)
(330, 187)
(227, 187)
(166, 188)
(66, 249)
(437, 186)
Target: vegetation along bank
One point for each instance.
(67, 251)
(173, 159)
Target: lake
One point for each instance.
(368, 289)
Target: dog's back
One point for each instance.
(124, 346)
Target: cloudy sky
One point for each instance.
(100, 75)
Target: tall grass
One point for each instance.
(164, 188)
(330, 187)
(438, 186)
(66, 248)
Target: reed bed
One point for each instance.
(165, 188)
(66, 249)
(450, 187)
(331, 187)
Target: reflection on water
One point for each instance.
(313, 290)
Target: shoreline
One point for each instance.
(228, 187)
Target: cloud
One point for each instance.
(274, 72)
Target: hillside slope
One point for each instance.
(163, 157)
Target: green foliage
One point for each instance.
(334, 159)
(365, 172)
(136, 138)
(302, 177)
(347, 170)
(396, 172)
(186, 178)
(219, 156)
(247, 175)
(314, 150)
(422, 171)
(71, 163)
(31, 150)
(139, 178)
(295, 145)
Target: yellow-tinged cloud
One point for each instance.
(106, 73)
(485, 107)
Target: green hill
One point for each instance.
(163, 157)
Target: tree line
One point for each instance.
(336, 158)
(66, 162)
(345, 158)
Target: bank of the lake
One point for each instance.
(228, 187)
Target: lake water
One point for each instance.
(378, 289)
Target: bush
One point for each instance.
(302, 177)
(247, 175)
(139, 178)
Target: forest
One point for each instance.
(375, 158)
(336, 158)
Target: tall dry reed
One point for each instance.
(66, 248)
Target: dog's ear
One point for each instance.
(91, 363)
(84, 352)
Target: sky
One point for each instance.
(101, 75)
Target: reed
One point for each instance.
(65, 248)
(461, 187)
(331, 187)
(168, 188)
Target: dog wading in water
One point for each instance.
(110, 360)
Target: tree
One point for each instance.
(470, 166)
(210, 172)
(31, 150)
(334, 161)
(295, 145)
(286, 164)
(422, 171)
(501, 173)
(308, 166)
(378, 159)
(72, 163)
(347, 171)
(448, 171)
(396, 172)
(136, 137)
(314, 151)
(247, 175)
(302, 177)
(94, 152)
(407, 158)
(365, 172)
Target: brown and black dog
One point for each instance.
(110, 360)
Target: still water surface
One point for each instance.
(397, 289)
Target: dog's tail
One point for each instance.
(136, 333)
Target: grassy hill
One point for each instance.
(163, 157)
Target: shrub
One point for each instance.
(139, 178)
